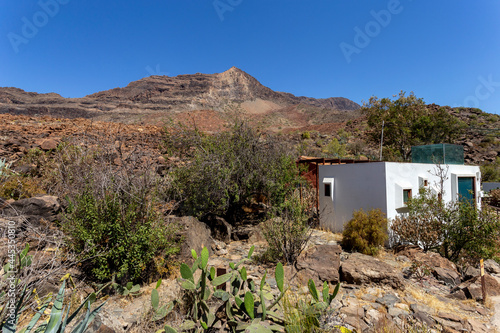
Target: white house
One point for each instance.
(344, 188)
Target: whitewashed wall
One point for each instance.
(356, 186)
(381, 185)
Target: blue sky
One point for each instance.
(447, 52)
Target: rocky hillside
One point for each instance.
(157, 98)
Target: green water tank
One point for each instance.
(442, 153)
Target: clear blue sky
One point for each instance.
(447, 52)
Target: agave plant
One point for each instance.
(59, 316)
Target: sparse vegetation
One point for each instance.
(287, 231)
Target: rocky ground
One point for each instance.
(393, 292)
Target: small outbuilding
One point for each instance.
(345, 187)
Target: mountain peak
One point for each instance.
(234, 69)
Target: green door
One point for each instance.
(466, 189)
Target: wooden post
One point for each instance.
(221, 271)
(483, 285)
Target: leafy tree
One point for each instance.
(491, 171)
(407, 121)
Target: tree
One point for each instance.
(229, 169)
(408, 121)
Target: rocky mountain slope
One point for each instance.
(157, 98)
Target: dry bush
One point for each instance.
(495, 198)
(422, 226)
(365, 232)
(287, 231)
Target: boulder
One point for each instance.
(221, 229)
(45, 206)
(470, 272)
(195, 234)
(362, 269)
(491, 266)
(471, 289)
(49, 144)
(320, 263)
(442, 269)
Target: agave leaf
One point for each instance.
(280, 276)
(221, 279)
(56, 312)
(169, 329)
(263, 306)
(35, 318)
(187, 325)
(263, 280)
(10, 325)
(312, 289)
(88, 301)
(335, 292)
(135, 289)
(326, 292)
(250, 252)
(243, 273)
(64, 321)
(186, 272)
(89, 317)
(249, 304)
(188, 285)
(155, 299)
(204, 258)
(194, 254)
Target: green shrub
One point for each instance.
(335, 149)
(491, 171)
(19, 187)
(423, 224)
(119, 233)
(470, 234)
(458, 230)
(306, 135)
(365, 233)
(113, 218)
(227, 169)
